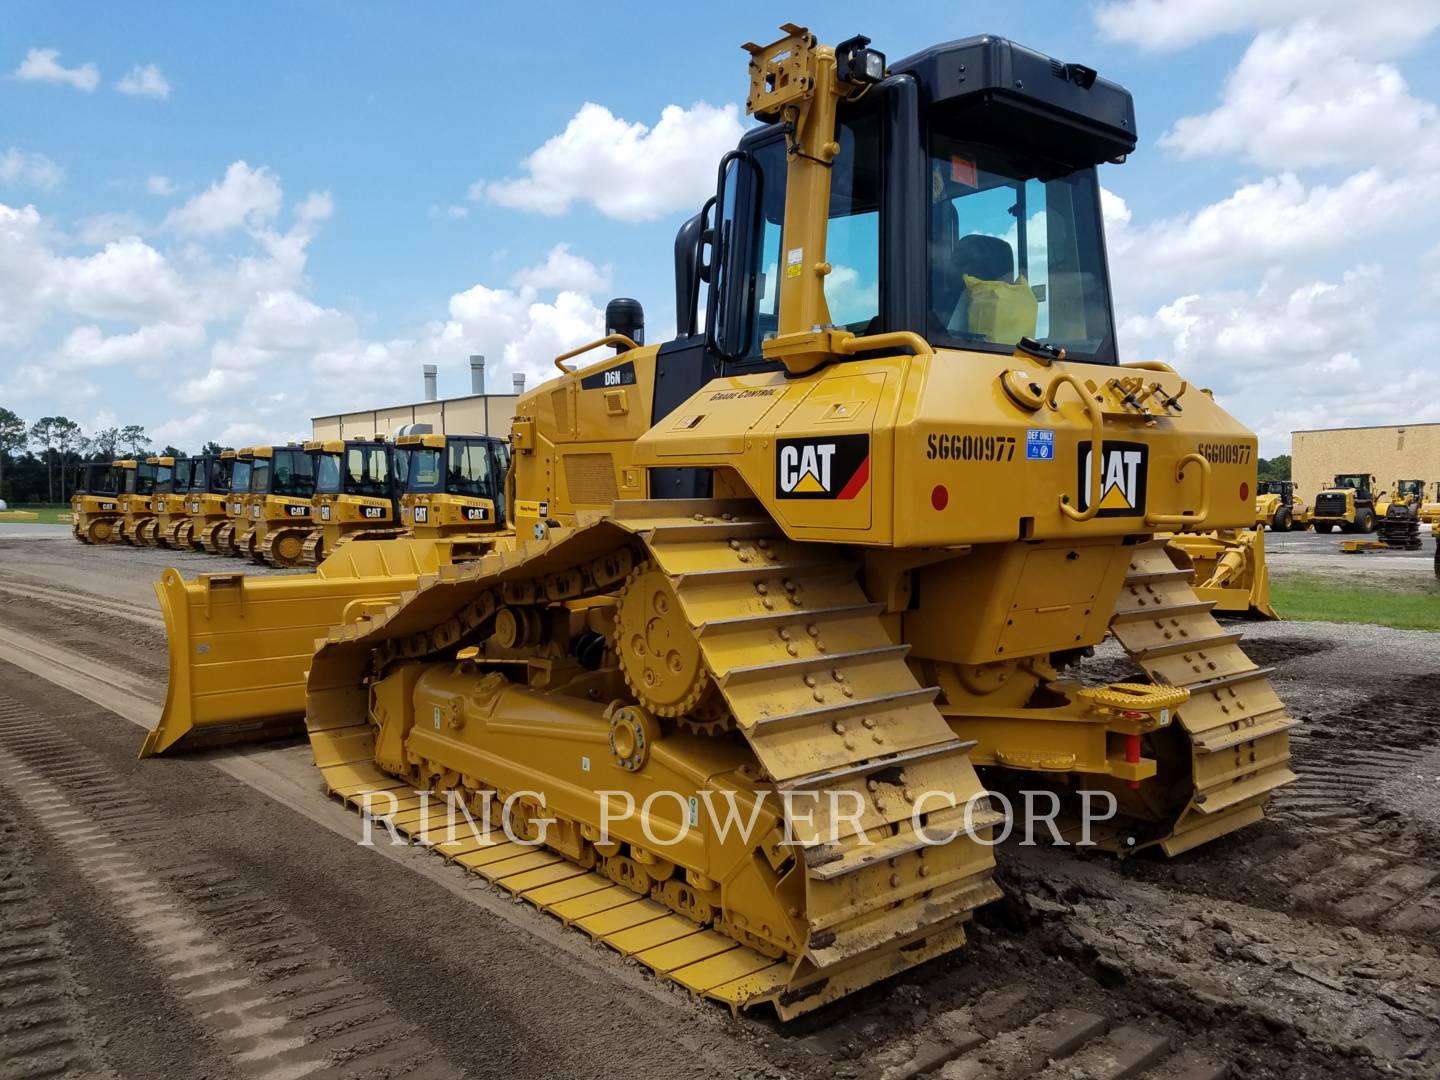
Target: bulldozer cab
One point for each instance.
(356, 467)
(217, 470)
(465, 466)
(97, 478)
(282, 470)
(139, 476)
(164, 474)
(1285, 489)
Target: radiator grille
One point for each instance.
(591, 478)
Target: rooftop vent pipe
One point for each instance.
(519, 381)
(477, 374)
(431, 392)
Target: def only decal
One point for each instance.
(1122, 478)
(821, 467)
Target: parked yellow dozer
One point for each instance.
(137, 485)
(813, 561)
(95, 503)
(454, 487)
(357, 494)
(164, 507)
(222, 537)
(277, 509)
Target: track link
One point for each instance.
(1234, 724)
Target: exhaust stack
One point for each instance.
(477, 374)
(431, 392)
(519, 382)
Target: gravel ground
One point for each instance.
(250, 940)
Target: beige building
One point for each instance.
(1401, 452)
(477, 413)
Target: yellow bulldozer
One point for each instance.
(357, 494)
(95, 503)
(1348, 505)
(222, 537)
(815, 561)
(277, 508)
(137, 485)
(165, 507)
(454, 487)
(1229, 568)
(207, 486)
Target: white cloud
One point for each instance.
(562, 270)
(144, 81)
(43, 65)
(285, 321)
(88, 347)
(244, 197)
(1263, 224)
(628, 171)
(216, 385)
(99, 229)
(1301, 97)
(316, 207)
(30, 170)
(447, 213)
(126, 280)
(159, 185)
(1176, 24)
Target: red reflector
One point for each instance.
(939, 498)
(1244, 492)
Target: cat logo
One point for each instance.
(822, 468)
(422, 515)
(476, 513)
(1122, 478)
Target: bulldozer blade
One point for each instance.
(240, 646)
(1230, 570)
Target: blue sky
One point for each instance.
(294, 206)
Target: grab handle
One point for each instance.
(1197, 518)
(1097, 446)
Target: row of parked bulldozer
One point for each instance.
(294, 504)
(1352, 504)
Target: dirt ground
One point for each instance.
(211, 915)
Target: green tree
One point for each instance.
(106, 443)
(134, 440)
(212, 448)
(13, 437)
(1276, 468)
(171, 451)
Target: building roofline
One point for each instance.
(1365, 427)
(411, 405)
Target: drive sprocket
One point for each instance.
(659, 654)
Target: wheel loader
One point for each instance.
(357, 494)
(1430, 511)
(453, 487)
(1404, 492)
(211, 511)
(1348, 505)
(1398, 516)
(815, 560)
(137, 484)
(163, 503)
(95, 503)
(277, 508)
(223, 538)
(1276, 507)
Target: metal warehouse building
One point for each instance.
(1400, 452)
(476, 413)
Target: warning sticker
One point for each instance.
(794, 258)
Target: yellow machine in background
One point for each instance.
(752, 564)
(1403, 492)
(277, 508)
(1276, 507)
(214, 528)
(1348, 505)
(95, 503)
(454, 486)
(222, 537)
(163, 505)
(1430, 510)
(137, 483)
(357, 489)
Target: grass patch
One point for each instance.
(49, 515)
(1320, 598)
